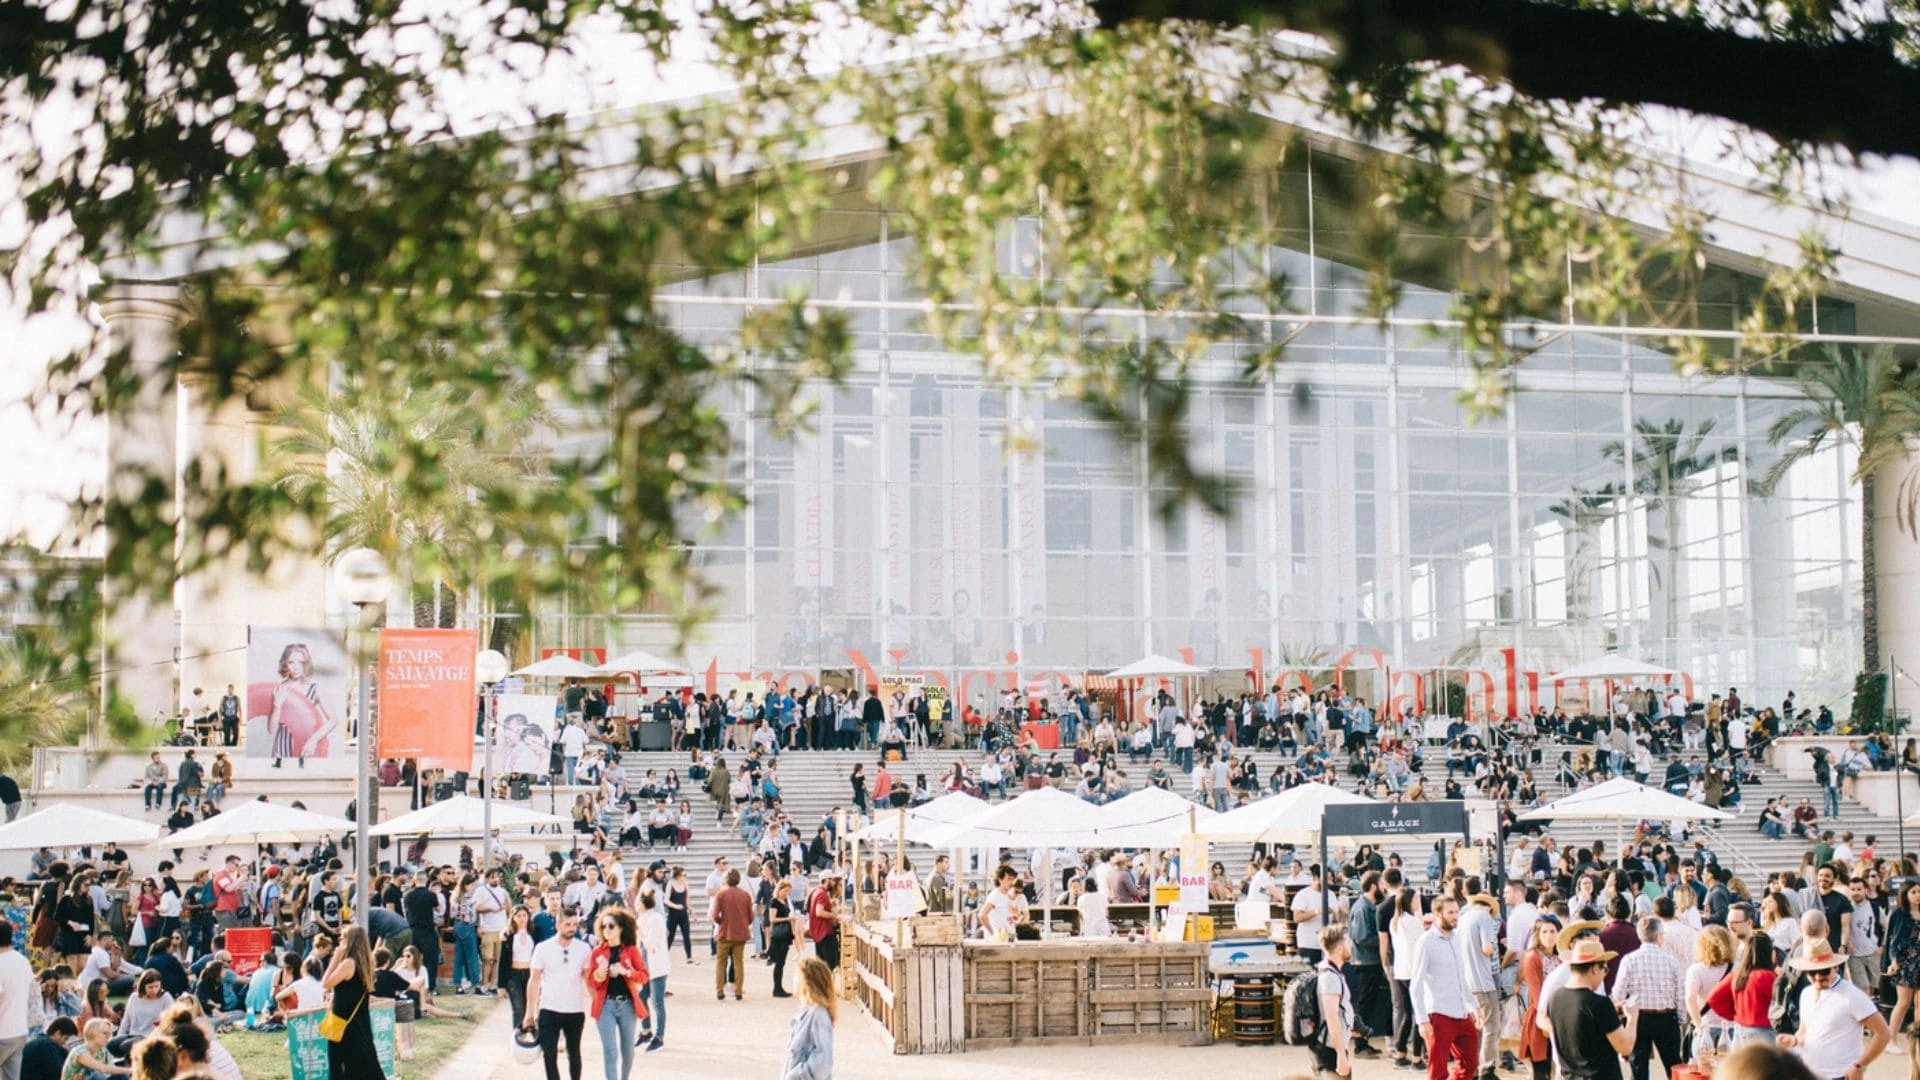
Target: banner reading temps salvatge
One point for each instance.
(427, 695)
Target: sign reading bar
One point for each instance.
(1395, 819)
(903, 899)
(1195, 877)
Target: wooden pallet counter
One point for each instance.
(936, 999)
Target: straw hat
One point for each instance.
(1587, 951)
(1571, 931)
(1819, 956)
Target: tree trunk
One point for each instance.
(449, 606)
(1869, 585)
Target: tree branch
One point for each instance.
(1856, 94)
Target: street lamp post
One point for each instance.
(489, 667)
(364, 580)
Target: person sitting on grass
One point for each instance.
(89, 1059)
(389, 984)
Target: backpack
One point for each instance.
(1300, 1010)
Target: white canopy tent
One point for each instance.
(924, 821)
(464, 815)
(1156, 666)
(66, 825)
(1291, 817)
(255, 823)
(640, 662)
(1152, 818)
(1614, 666)
(557, 667)
(1621, 800)
(1044, 817)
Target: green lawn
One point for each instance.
(263, 1055)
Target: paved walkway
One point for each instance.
(747, 1040)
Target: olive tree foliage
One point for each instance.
(321, 167)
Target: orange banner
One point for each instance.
(428, 698)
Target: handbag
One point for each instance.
(334, 1026)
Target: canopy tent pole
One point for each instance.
(899, 866)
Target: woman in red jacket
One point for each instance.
(1746, 993)
(616, 984)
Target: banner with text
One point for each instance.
(427, 695)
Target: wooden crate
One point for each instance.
(934, 930)
(1160, 993)
(1026, 993)
(915, 994)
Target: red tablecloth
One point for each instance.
(1046, 736)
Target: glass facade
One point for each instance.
(1378, 532)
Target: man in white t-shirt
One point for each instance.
(1307, 918)
(573, 743)
(557, 992)
(106, 962)
(490, 919)
(17, 990)
(1833, 1012)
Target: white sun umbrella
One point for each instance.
(1614, 666)
(464, 815)
(640, 662)
(924, 821)
(558, 666)
(1291, 817)
(1152, 818)
(1044, 817)
(66, 825)
(255, 823)
(1621, 800)
(1156, 666)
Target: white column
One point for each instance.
(142, 630)
(1897, 560)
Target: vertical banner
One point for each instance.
(427, 695)
(523, 737)
(1194, 874)
(307, 1055)
(297, 680)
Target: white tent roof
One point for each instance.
(65, 825)
(1152, 818)
(641, 662)
(257, 822)
(1155, 666)
(923, 821)
(464, 815)
(1621, 799)
(557, 667)
(1045, 817)
(1614, 666)
(1291, 817)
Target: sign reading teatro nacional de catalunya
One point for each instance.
(1396, 819)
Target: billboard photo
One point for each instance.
(523, 739)
(296, 703)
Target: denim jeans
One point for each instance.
(154, 796)
(1832, 797)
(616, 1025)
(466, 955)
(657, 1006)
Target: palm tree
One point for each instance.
(1666, 459)
(1583, 511)
(43, 705)
(348, 450)
(1869, 401)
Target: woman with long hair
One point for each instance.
(1903, 952)
(1745, 994)
(678, 916)
(298, 722)
(518, 943)
(617, 984)
(1535, 965)
(78, 922)
(350, 977)
(1403, 932)
(781, 933)
(658, 954)
(857, 779)
(810, 1044)
(1777, 919)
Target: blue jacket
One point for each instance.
(810, 1046)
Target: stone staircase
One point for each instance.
(814, 783)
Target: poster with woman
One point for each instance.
(296, 703)
(523, 741)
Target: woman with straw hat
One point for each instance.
(1832, 1014)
